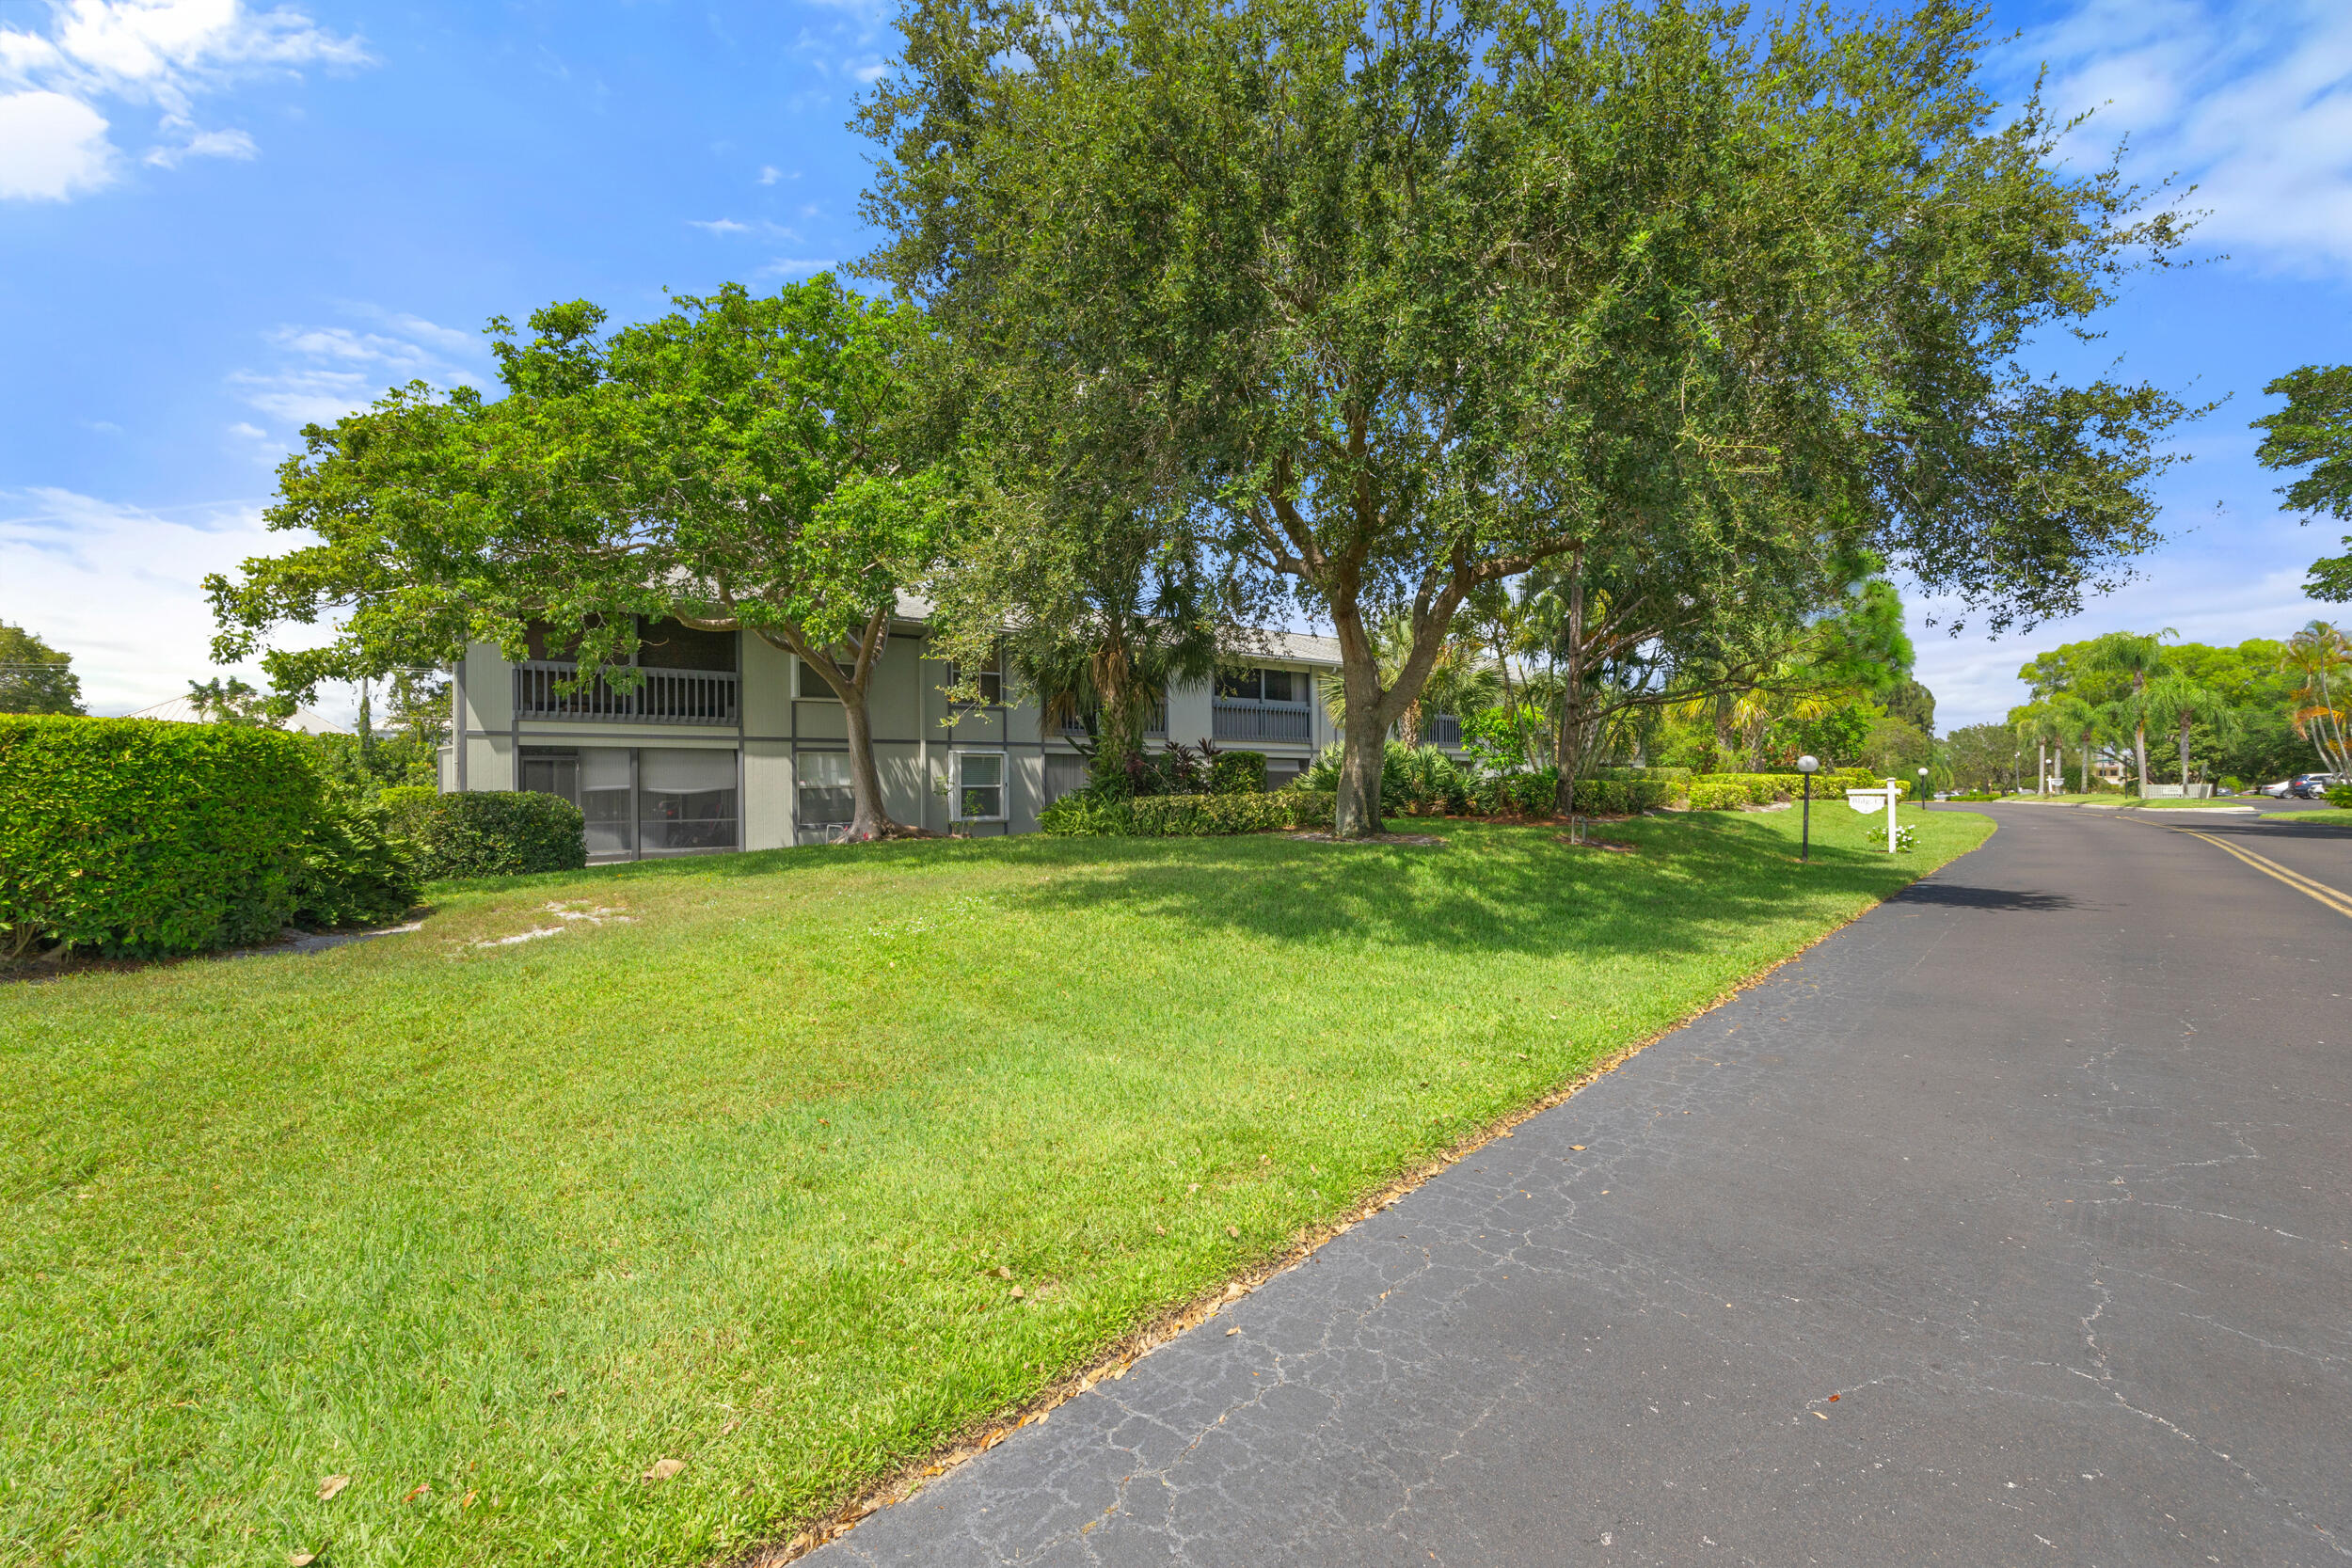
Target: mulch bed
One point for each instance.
(1425, 839)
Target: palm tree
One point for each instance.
(2041, 724)
(2081, 723)
(2140, 657)
(2323, 701)
(2175, 700)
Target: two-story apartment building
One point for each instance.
(729, 744)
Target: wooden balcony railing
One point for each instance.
(662, 697)
(1239, 718)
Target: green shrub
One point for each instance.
(1528, 794)
(2340, 796)
(1412, 778)
(1665, 775)
(1730, 791)
(488, 832)
(1237, 774)
(141, 839)
(1625, 797)
(354, 872)
(1079, 815)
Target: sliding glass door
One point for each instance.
(641, 800)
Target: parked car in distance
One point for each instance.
(2310, 787)
(2276, 791)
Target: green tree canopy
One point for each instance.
(743, 463)
(2314, 431)
(33, 677)
(1427, 297)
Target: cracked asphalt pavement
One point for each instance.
(2007, 1225)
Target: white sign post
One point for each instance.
(1870, 800)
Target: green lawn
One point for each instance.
(493, 1228)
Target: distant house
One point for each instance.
(181, 710)
(729, 744)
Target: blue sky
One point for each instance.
(217, 223)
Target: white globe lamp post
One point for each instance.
(1808, 766)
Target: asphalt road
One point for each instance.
(2009, 1226)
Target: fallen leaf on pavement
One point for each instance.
(1230, 1332)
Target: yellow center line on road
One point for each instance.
(2338, 902)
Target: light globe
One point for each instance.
(1808, 765)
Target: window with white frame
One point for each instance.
(978, 795)
(812, 681)
(826, 798)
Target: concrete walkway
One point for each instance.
(2010, 1226)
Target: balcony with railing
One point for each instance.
(1239, 718)
(662, 696)
(1442, 729)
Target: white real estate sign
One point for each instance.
(1868, 800)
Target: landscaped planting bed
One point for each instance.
(739, 1162)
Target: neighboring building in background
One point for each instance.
(729, 744)
(184, 710)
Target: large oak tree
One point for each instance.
(1427, 296)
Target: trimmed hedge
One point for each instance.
(1238, 773)
(488, 832)
(139, 838)
(1624, 797)
(1730, 791)
(1188, 816)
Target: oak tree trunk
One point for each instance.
(869, 818)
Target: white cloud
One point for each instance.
(871, 72)
(323, 372)
(158, 53)
(52, 147)
(719, 225)
(770, 174)
(250, 432)
(202, 144)
(794, 266)
(120, 588)
(2252, 105)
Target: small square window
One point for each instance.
(812, 685)
(991, 682)
(1247, 685)
(979, 792)
(1279, 684)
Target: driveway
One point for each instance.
(2007, 1226)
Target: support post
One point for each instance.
(1804, 843)
(1892, 787)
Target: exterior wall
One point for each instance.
(915, 743)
